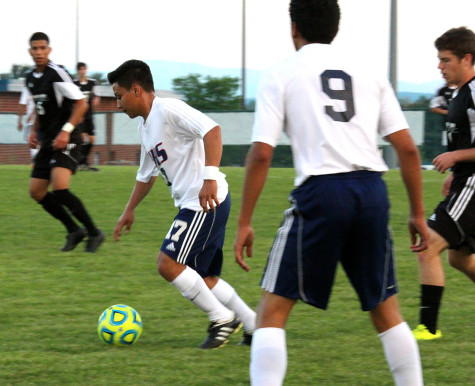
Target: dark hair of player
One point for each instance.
(130, 72)
(39, 36)
(316, 20)
(80, 65)
(461, 41)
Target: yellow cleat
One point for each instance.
(422, 333)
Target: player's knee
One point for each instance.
(458, 263)
(37, 194)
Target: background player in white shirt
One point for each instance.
(332, 112)
(27, 105)
(185, 147)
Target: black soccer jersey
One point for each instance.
(54, 94)
(88, 91)
(461, 125)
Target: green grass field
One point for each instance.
(50, 301)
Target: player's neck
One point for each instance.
(148, 103)
(469, 75)
(41, 68)
(83, 79)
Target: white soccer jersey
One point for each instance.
(27, 100)
(172, 145)
(330, 109)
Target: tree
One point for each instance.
(17, 71)
(210, 93)
(99, 76)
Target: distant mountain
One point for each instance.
(165, 71)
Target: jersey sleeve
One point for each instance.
(391, 118)
(147, 168)
(25, 96)
(187, 120)
(269, 115)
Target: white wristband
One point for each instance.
(68, 127)
(210, 173)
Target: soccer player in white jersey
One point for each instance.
(27, 105)
(332, 112)
(184, 146)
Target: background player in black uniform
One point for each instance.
(60, 106)
(439, 104)
(452, 225)
(87, 87)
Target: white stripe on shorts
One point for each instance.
(275, 256)
(463, 199)
(195, 227)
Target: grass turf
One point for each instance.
(50, 301)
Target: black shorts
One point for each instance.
(87, 126)
(454, 217)
(47, 159)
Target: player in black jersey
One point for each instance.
(87, 86)
(439, 104)
(60, 106)
(452, 225)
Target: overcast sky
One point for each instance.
(209, 32)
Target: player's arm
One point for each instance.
(410, 165)
(447, 160)
(258, 162)
(140, 191)
(438, 110)
(33, 136)
(213, 145)
(80, 107)
(21, 112)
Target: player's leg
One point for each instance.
(228, 296)
(399, 344)
(39, 182)
(432, 281)
(463, 260)
(269, 350)
(192, 286)
(60, 179)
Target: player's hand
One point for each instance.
(33, 140)
(61, 140)
(419, 232)
(20, 126)
(446, 185)
(208, 195)
(244, 239)
(126, 220)
(444, 161)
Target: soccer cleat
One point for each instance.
(219, 333)
(73, 239)
(92, 169)
(93, 242)
(421, 332)
(246, 339)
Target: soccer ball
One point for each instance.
(119, 325)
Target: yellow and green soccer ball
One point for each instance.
(120, 325)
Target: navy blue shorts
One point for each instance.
(196, 239)
(334, 218)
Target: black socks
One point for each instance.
(431, 296)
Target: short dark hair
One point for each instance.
(39, 36)
(80, 65)
(316, 20)
(130, 72)
(461, 41)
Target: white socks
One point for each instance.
(268, 357)
(402, 355)
(192, 286)
(229, 297)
